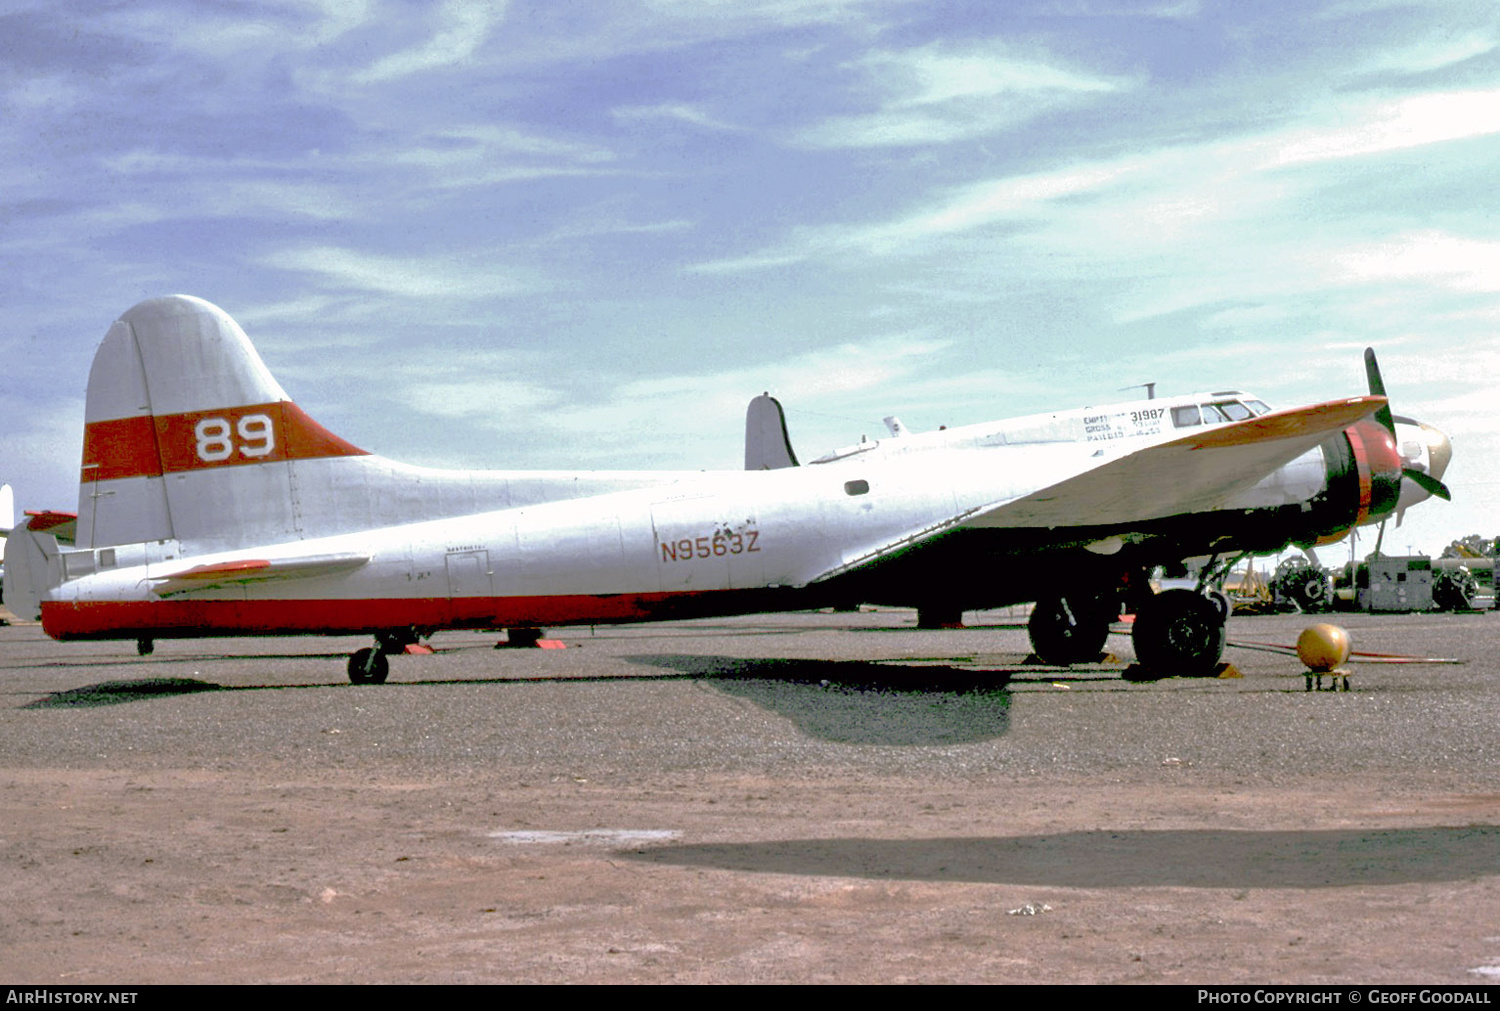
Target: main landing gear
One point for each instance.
(1180, 633)
(1071, 630)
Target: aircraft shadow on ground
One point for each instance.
(111, 693)
(853, 702)
(1133, 859)
(122, 660)
(846, 702)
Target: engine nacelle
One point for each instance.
(1364, 480)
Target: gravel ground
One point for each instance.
(811, 797)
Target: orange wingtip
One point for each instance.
(1327, 417)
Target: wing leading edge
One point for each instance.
(1198, 472)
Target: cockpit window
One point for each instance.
(1217, 413)
(1182, 417)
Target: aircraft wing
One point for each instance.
(254, 570)
(1197, 472)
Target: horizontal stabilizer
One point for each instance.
(63, 526)
(254, 570)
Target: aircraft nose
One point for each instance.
(1439, 450)
(1425, 454)
(1422, 447)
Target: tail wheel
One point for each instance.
(1179, 633)
(368, 666)
(1065, 632)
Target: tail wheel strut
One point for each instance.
(368, 666)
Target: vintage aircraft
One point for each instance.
(211, 505)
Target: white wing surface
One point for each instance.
(1198, 472)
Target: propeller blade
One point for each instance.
(1377, 388)
(1428, 483)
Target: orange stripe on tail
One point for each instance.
(148, 446)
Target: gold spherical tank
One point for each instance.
(1323, 647)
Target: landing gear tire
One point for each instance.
(1064, 632)
(368, 666)
(1179, 633)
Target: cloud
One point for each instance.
(786, 13)
(986, 203)
(694, 419)
(1197, 207)
(232, 33)
(398, 276)
(941, 93)
(482, 155)
(680, 112)
(1432, 257)
(493, 402)
(1166, 10)
(337, 17)
(1435, 52)
(962, 209)
(41, 449)
(465, 25)
(1391, 126)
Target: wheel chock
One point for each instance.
(528, 638)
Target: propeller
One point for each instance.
(1421, 478)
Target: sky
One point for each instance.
(557, 235)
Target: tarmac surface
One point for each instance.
(820, 797)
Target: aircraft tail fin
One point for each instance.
(187, 436)
(767, 445)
